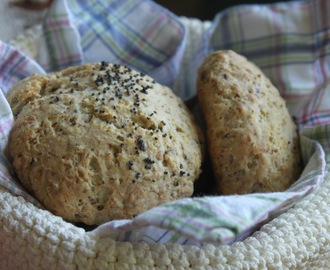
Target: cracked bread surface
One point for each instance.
(252, 139)
(101, 141)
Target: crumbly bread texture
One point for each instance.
(100, 142)
(253, 141)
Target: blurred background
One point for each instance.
(204, 9)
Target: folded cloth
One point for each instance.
(288, 41)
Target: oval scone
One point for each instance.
(252, 139)
(101, 141)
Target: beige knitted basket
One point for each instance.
(31, 238)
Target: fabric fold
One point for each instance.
(139, 34)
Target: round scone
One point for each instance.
(253, 141)
(100, 142)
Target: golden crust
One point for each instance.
(100, 142)
(253, 141)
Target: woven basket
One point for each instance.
(31, 238)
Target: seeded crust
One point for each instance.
(253, 141)
(100, 142)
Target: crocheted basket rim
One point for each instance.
(32, 238)
(36, 239)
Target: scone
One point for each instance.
(253, 141)
(100, 142)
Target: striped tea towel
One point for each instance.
(288, 41)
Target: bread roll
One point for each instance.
(100, 142)
(253, 141)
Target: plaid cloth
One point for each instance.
(288, 41)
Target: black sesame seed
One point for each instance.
(182, 173)
(118, 94)
(108, 77)
(149, 160)
(99, 80)
(148, 167)
(141, 144)
(130, 164)
(104, 64)
(138, 175)
(134, 110)
(144, 90)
